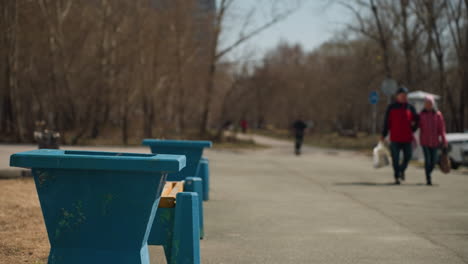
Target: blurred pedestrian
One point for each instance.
(244, 125)
(432, 135)
(299, 127)
(401, 120)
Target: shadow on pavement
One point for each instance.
(378, 184)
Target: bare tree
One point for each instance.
(409, 31)
(107, 70)
(457, 17)
(54, 14)
(216, 54)
(432, 15)
(13, 120)
(377, 29)
(9, 25)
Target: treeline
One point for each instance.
(423, 44)
(94, 69)
(132, 69)
(137, 68)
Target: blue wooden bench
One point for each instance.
(203, 172)
(176, 226)
(99, 207)
(193, 150)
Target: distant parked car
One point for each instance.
(465, 155)
(458, 149)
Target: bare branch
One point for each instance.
(244, 37)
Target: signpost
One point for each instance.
(389, 87)
(373, 97)
(373, 100)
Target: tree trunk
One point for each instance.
(124, 121)
(382, 39)
(407, 46)
(11, 121)
(180, 127)
(464, 73)
(101, 103)
(148, 118)
(54, 15)
(7, 118)
(208, 98)
(447, 95)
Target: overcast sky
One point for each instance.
(312, 25)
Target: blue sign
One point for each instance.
(373, 97)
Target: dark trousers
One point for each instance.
(396, 148)
(298, 145)
(430, 160)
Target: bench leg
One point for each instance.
(186, 239)
(204, 174)
(168, 252)
(194, 184)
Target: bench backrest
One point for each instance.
(169, 193)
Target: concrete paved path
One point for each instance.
(330, 207)
(268, 206)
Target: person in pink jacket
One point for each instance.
(432, 135)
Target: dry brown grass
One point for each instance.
(23, 238)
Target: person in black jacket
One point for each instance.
(401, 120)
(299, 128)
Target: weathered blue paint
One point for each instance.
(186, 242)
(82, 160)
(162, 231)
(98, 207)
(178, 230)
(204, 173)
(194, 184)
(192, 150)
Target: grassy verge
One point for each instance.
(233, 143)
(362, 142)
(227, 142)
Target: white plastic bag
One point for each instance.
(381, 156)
